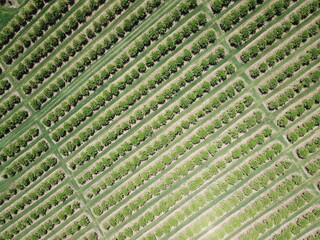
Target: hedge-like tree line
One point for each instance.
(41, 211)
(298, 110)
(276, 9)
(304, 60)
(16, 146)
(28, 179)
(111, 69)
(285, 51)
(13, 122)
(8, 104)
(283, 98)
(277, 33)
(34, 195)
(24, 161)
(38, 29)
(309, 148)
(170, 200)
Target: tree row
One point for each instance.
(179, 173)
(158, 144)
(141, 137)
(41, 211)
(91, 236)
(216, 213)
(34, 195)
(50, 17)
(80, 17)
(8, 104)
(150, 171)
(313, 236)
(276, 9)
(193, 206)
(28, 179)
(4, 86)
(286, 50)
(138, 115)
(68, 52)
(283, 98)
(10, 124)
(134, 97)
(301, 130)
(309, 148)
(294, 228)
(277, 33)
(71, 50)
(298, 110)
(313, 166)
(165, 161)
(63, 34)
(218, 5)
(278, 216)
(75, 226)
(235, 15)
(57, 38)
(21, 19)
(105, 73)
(254, 208)
(18, 144)
(24, 161)
(304, 60)
(60, 218)
(113, 91)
